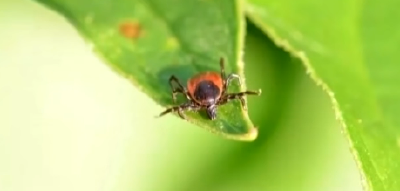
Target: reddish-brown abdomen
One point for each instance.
(205, 87)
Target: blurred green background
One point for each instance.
(67, 122)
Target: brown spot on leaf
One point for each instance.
(131, 30)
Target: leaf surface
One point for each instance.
(351, 48)
(147, 41)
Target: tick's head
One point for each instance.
(206, 93)
(212, 112)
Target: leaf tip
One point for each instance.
(250, 136)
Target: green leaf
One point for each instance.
(350, 48)
(147, 41)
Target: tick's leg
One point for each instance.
(228, 81)
(176, 90)
(232, 77)
(180, 109)
(190, 107)
(240, 96)
(181, 114)
(222, 65)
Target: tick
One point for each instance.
(206, 90)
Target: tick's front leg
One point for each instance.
(176, 90)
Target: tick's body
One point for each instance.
(206, 90)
